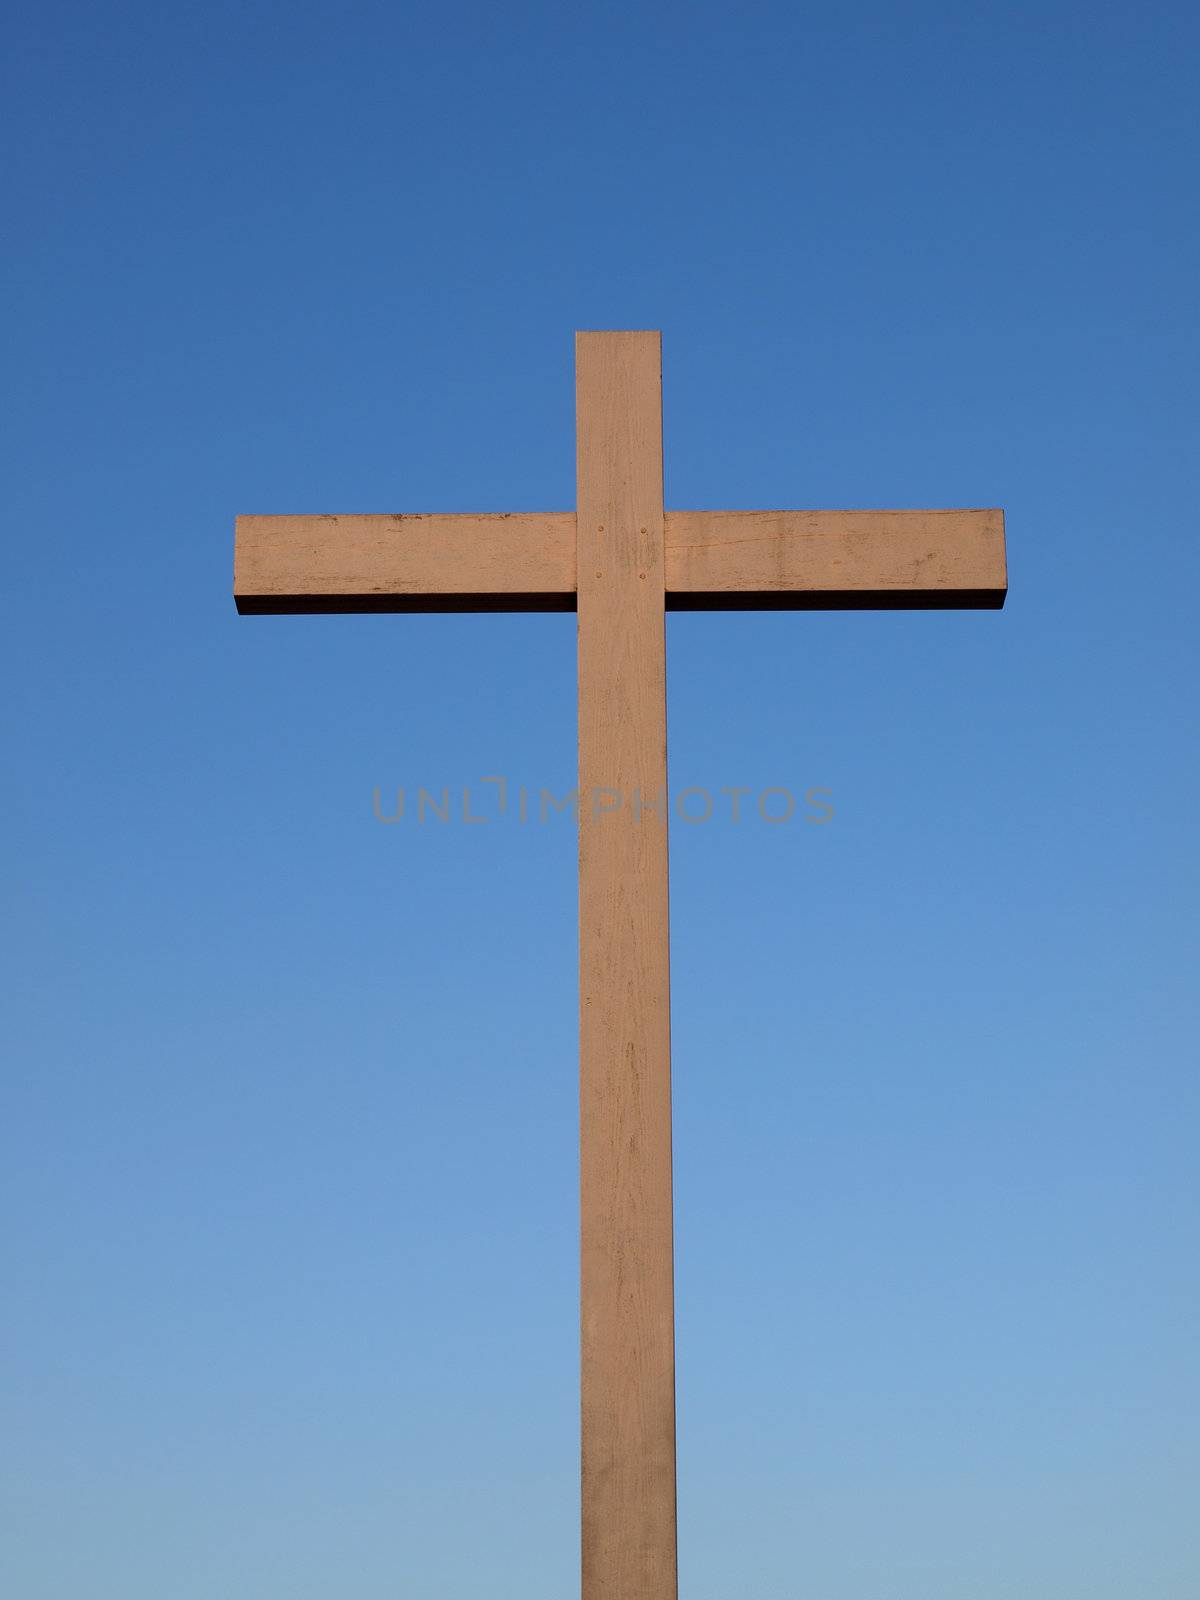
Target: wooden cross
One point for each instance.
(620, 560)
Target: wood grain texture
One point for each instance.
(834, 559)
(715, 560)
(627, 1296)
(405, 563)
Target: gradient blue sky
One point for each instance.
(289, 1109)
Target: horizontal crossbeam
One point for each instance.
(715, 561)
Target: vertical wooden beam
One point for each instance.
(627, 1289)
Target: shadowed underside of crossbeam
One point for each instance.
(715, 561)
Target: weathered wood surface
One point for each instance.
(715, 560)
(834, 559)
(627, 1297)
(518, 562)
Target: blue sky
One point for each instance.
(289, 1109)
